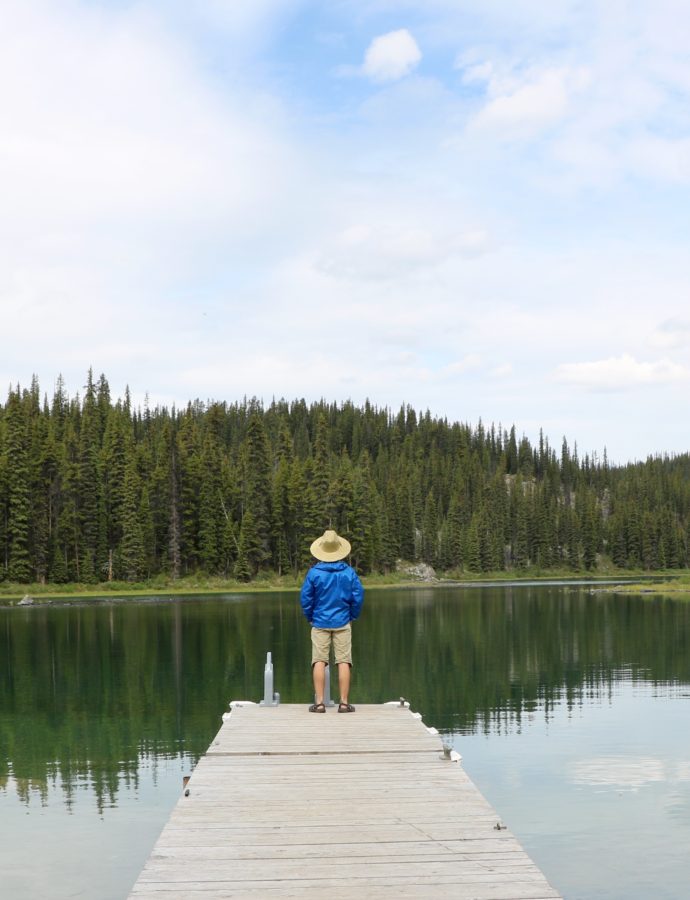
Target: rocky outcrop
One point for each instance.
(419, 571)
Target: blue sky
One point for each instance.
(476, 208)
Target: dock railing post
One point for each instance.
(270, 698)
(327, 687)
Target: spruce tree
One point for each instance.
(250, 550)
(19, 490)
(211, 516)
(258, 488)
(430, 531)
(189, 480)
(364, 530)
(132, 552)
(4, 503)
(455, 533)
(113, 462)
(472, 549)
(521, 556)
(40, 451)
(89, 481)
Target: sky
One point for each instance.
(473, 207)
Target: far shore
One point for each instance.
(679, 588)
(676, 583)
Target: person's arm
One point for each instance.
(307, 598)
(356, 597)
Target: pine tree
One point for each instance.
(58, 568)
(258, 489)
(40, 464)
(320, 479)
(309, 511)
(617, 542)
(230, 547)
(454, 531)
(211, 517)
(19, 492)
(430, 531)
(148, 532)
(649, 544)
(189, 472)
(472, 550)
(89, 482)
(634, 538)
(364, 531)
(521, 557)
(541, 543)
(405, 517)
(282, 516)
(589, 532)
(113, 457)
(342, 495)
(4, 504)
(250, 550)
(132, 552)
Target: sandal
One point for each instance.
(317, 708)
(345, 707)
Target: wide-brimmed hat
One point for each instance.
(330, 547)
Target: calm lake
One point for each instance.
(571, 710)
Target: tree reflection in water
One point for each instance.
(88, 691)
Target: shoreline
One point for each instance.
(32, 595)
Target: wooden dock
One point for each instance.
(291, 804)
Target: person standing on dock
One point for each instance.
(331, 598)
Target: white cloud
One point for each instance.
(115, 123)
(599, 93)
(520, 107)
(671, 334)
(469, 363)
(621, 373)
(387, 249)
(661, 158)
(127, 184)
(391, 56)
(476, 73)
(248, 19)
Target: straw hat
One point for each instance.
(330, 547)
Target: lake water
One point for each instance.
(571, 710)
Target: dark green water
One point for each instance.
(571, 710)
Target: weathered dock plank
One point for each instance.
(291, 804)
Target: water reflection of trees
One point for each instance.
(477, 659)
(86, 692)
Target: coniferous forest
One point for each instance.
(92, 489)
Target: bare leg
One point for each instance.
(319, 675)
(344, 681)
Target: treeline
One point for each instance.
(92, 489)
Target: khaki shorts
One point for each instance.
(321, 640)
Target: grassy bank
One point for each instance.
(10, 593)
(191, 584)
(678, 588)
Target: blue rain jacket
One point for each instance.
(332, 595)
